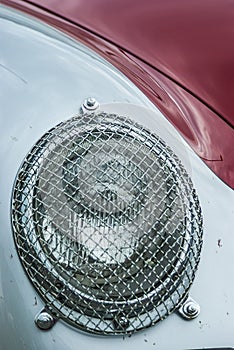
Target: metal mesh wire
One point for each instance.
(107, 224)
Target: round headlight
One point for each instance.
(107, 224)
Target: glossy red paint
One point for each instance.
(190, 41)
(209, 135)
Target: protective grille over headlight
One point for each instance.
(107, 224)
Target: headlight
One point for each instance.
(107, 223)
(104, 203)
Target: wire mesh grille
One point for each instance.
(107, 224)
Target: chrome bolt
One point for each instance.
(44, 320)
(121, 323)
(190, 309)
(90, 104)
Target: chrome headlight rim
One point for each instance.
(144, 311)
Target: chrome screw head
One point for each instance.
(190, 309)
(89, 104)
(44, 320)
(121, 323)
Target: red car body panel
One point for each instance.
(189, 41)
(179, 53)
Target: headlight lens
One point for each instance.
(107, 223)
